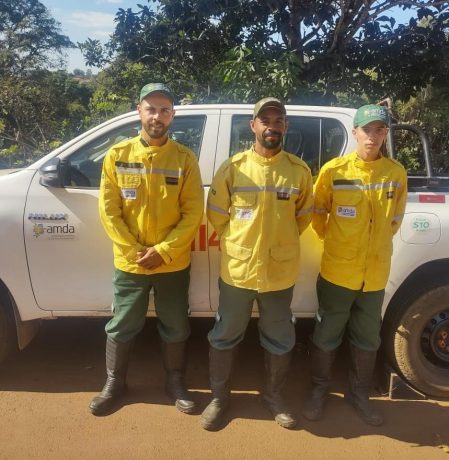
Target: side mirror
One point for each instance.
(52, 174)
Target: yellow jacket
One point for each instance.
(151, 196)
(259, 207)
(359, 206)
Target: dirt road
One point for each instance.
(46, 389)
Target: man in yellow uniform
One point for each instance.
(259, 203)
(151, 205)
(359, 204)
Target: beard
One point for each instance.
(156, 132)
(273, 143)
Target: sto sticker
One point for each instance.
(421, 225)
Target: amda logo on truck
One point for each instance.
(66, 231)
(56, 228)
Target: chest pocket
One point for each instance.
(127, 180)
(243, 205)
(244, 200)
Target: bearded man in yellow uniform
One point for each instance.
(259, 203)
(151, 205)
(359, 205)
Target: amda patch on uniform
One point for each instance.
(347, 211)
(171, 180)
(390, 195)
(129, 193)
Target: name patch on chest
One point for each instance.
(347, 211)
(129, 193)
(244, 213)
(283, 195)
(171, 180)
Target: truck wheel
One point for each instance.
(416, 340)
(8, 342)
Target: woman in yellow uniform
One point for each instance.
(359, 204)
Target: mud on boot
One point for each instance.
(220, 368)
(276, 368)
(212, 416)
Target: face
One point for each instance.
(156, 114)
(370, 138)
(269, 127)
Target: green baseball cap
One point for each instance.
(369, 113)
(150, 88)
(268, 102)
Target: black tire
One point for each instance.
(416, 339)
(8, 339)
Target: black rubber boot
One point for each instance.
(360, 378)
(276, 369)
(321, 368)
(220, 368)
(117, 356)
(174, 356)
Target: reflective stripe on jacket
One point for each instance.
(358, 208)
(259, 207)
(151, 196)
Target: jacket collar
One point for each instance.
(264, 160)
(368, 165)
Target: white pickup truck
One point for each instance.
(56, 260)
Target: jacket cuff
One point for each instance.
(137, 249)
(161, 248)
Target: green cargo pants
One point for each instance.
(130, 304)
(341, 310)
(276, 322)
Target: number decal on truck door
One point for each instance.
(201, 242)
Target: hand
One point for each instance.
(149, 259)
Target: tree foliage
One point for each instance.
(38, 108)
(238, 49)
(41, 112)
(345, 52)
(29, 37)
(429, 109)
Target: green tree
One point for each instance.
(41, 112)
(29, 37)
(37, 107)
(429, 109)
(239, 49)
